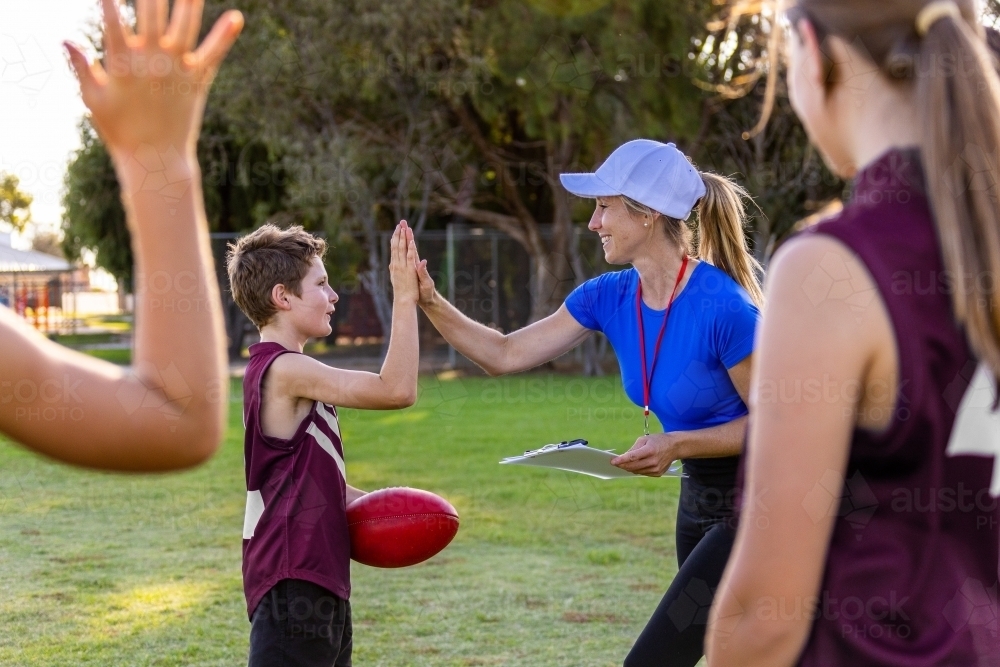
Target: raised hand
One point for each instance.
(403, 263)
(428, 290)
(150, 92)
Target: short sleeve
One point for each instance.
(736, 327)
(581, 304)
(593, 302)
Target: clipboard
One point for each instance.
(577, 456)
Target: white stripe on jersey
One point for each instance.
(327, 445)
(977, 428)
(330, 419)
(255, 509)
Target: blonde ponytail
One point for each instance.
(958, 92)
(721, 236)
(943, 49)
(721, 239)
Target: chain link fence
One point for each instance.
(483, 272)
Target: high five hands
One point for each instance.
(151, 89)
(651, 455)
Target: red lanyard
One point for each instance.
(647, 380)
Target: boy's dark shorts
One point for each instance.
(300, 624)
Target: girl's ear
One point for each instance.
(812, 60)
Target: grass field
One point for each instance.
(85, 342)
(114, 355)
(548, 568)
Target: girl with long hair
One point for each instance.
(870, 529)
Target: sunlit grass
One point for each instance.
(548, 568)
(147, 607)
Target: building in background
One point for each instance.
(34, 285)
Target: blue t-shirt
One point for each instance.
(711, 329)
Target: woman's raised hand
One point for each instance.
(150, 92)
(427, 288)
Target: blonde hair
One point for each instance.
(958, 94)
(721, 237)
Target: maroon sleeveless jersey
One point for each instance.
(296, 518)
(911, 574)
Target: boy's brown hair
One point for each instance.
(266, 257)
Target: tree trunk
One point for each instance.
(591, 355)
(374, 279)
(553, 278)
(556, 273)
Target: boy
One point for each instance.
(169, 411)
(296, 546)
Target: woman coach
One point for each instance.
(693, 374)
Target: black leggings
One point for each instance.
(675, 634)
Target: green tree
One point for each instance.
(15, 205)
(347, 116)
(430, 110)
(93, 217)
(243, 182)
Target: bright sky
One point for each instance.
(40, 103)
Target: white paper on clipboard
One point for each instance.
(577, 456)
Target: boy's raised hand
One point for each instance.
(150, 92)
(403, 264)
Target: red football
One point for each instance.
(399, 526)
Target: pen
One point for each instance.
(561, 445)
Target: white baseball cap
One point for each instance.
(657, 175)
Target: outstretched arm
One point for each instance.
(494, 352)
(396, 385)
(169, 411)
